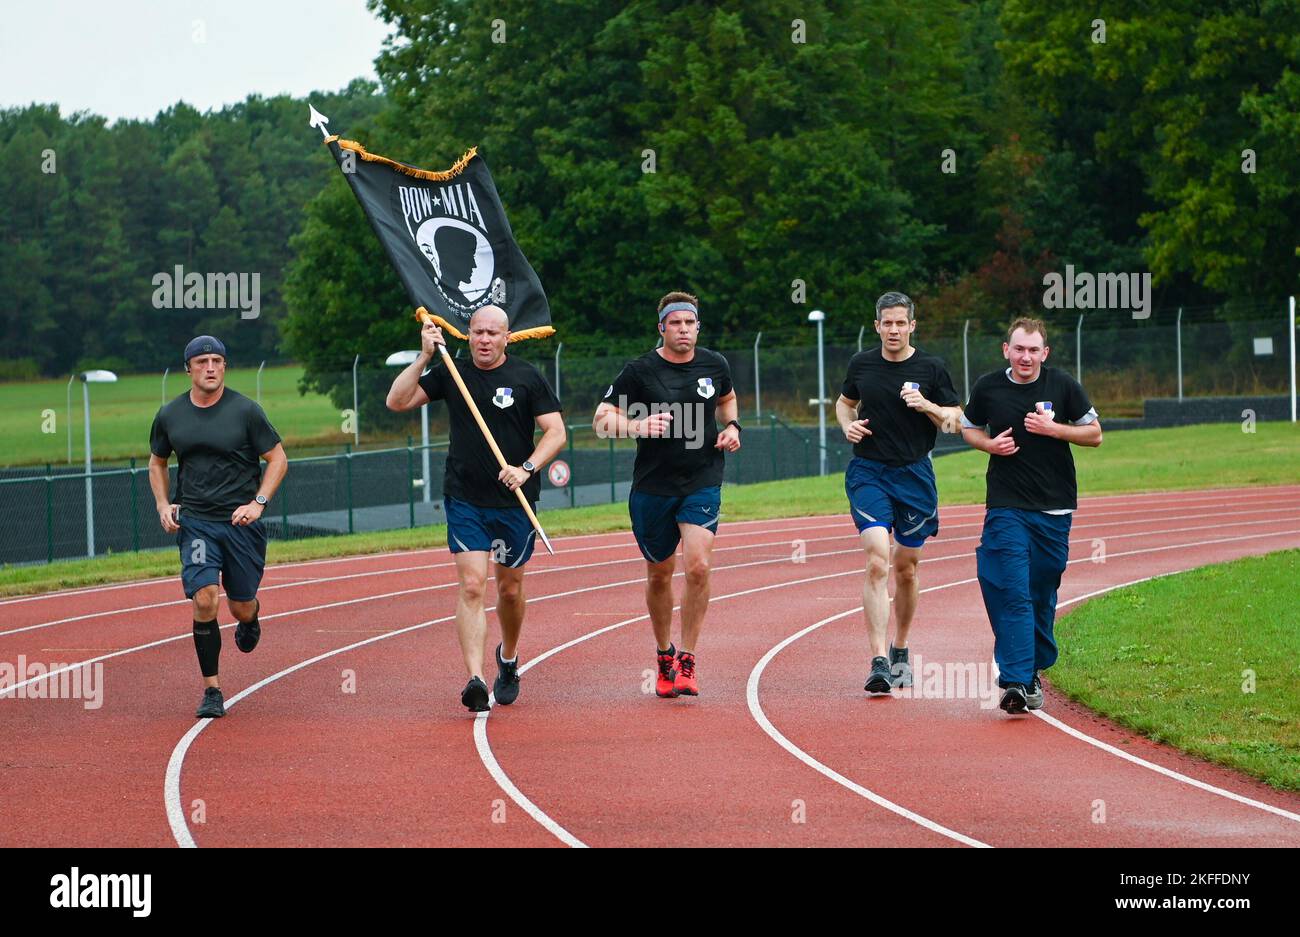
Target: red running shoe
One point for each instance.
(684, 683)
(664, 681)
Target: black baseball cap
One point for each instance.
(204, 345)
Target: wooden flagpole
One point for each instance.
(487, 434)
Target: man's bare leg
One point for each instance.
(875, 589)
(659, 599)
(471, 622)
(906, 590)
(697, 549)
(510, 608)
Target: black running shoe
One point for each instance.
(900, 666)
(1014, 700)
(475, 696)
(1034, 695)
(506, 686)
(881, 678)
(247, 635)
(213, 705)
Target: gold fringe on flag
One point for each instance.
(424, 315)
(443, 176)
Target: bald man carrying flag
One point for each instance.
(448, 238)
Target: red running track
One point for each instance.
(782, 748)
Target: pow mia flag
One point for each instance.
(447, 236)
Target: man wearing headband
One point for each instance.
(893, 401)
(1025, 417)
(670, 400)
(218, 436)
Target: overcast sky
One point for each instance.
(133, 58)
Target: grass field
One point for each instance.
(122, 413)
(1207, 660)
(1135, 460)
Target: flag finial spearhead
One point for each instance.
(318, 120)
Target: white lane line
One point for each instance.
(359, 557)
(756, 710)
(751, 692)
(803, 756)
(631, 559)
(1137, 500)
(386, 595)
(1128, 756)
(172, 778)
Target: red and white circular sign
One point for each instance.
(558, 473)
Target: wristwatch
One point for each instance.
(261, 499)
(528, 467)
(735, 423)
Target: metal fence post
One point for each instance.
(348, 458)
(356, 414)
(758, 396)
(259, 382)
(612, 496)
(965, 357)
(410, 481)
(1178, 332)
(167, 371)
(558, 349)
(49, 514)
(573, 495)
(1078, 350)
(284, 510)
(135, 513)
(861, 330)
(70, 380)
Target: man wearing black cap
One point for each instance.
(666, 399)
(217, 435)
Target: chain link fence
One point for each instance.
(381, 485)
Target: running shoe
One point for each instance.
(684, 682)
(1034, 695)
(1014, 700)
(880, 679)
(247, 635)
(506, 686)
(900, 666)
(213, 705)
(664, 685)
(475, 696)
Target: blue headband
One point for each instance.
(678, 307)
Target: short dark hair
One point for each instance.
(1030, 326)
(677, 296)
(891, 299)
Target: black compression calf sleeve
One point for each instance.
(207, 643)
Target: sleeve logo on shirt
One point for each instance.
(705, 387)
(504, 397)
(610, 391)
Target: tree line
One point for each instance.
(755, 153)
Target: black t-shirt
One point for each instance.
(686, 460)
(1040, 477)
(217, 449)
(899, 434)
(510, 397)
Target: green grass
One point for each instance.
(1138, 460)
(1172, 659)
(122, 413)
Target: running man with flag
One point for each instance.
(893, 401)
